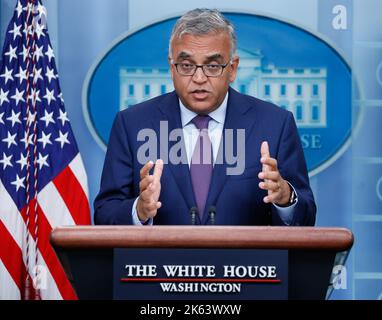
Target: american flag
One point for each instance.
(43, 182)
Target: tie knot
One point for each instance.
(201, 121)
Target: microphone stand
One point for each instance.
(193, 212)
(211, 213)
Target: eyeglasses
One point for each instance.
(210, 70)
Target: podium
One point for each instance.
(87, 252)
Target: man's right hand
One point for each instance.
(150, 187)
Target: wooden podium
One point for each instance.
(86, 252)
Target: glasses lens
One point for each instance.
(212, 70)
(186, 69)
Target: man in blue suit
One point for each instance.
(196, 181)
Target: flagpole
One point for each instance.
(36, 283)
(29, 292)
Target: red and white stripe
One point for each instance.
(63, 201)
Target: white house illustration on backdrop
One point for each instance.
(299, 90)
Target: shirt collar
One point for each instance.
(217, 115)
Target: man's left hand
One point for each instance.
(278, 189)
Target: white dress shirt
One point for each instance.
(215, 131)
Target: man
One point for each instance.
(271, 188)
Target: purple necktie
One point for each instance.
(201, 163)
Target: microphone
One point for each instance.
(193, 212)
(211, 214)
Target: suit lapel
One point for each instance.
(236, 118)
(171, 113)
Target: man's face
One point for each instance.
(200, 93)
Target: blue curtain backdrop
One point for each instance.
(348, 192)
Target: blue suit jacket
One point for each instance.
(238, 199)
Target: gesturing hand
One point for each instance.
(150, 187)
(278, 189)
